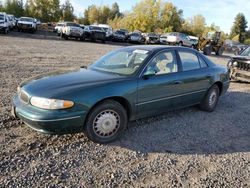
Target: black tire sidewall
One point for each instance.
(205, 102)
(105, 105)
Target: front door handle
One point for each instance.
(178, 82)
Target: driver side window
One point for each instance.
(163, 63)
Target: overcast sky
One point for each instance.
(221, 12)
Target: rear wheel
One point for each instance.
(207, 50)
(211, 99)
(106, 122)
(219, 51)
(6, 30)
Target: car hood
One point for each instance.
(63, 81)
(243, 58)
(25, 22)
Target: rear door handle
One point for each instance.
(178, 82)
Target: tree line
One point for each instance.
(146, 16)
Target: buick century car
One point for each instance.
(124, 85)
(239, 66)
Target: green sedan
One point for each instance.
(124, 85)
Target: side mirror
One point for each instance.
(148, 74)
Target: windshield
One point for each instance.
(95, 28)
(1, 17)
(26, 19)
(60, 24)
(123, 62)
(246, 52)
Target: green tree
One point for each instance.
(93, 14)
(14, 7)
(46, 10)
(171, 17)
(239, 27)
(115, 11)
(67, 11)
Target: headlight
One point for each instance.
(235, 64)
(50, 104)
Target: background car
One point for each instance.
(72, 30)
(126, 84)
(239, 66)
(136, 37)
(119, 35)
(108, 30)
(26, 24)
(58, 28)
(163, 38)
(94, 33)
(152, 38)
(4, 22)
(181, 39)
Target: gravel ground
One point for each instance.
(184, 148)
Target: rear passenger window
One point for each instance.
(189, 61)
(202, 62)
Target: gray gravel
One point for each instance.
(184, 148)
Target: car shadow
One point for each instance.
(191, 131)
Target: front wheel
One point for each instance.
(106, 122)
(211, 99)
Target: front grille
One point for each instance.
(244, 66)
(24, 96)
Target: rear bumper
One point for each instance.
(48, 121)
(239, 75)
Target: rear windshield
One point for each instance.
(1, 17)
(61, 24)
(26, 19)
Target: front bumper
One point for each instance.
(48, 121)
(25, 27)
(239, 75)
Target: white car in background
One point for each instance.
(163, 38)
(4, 23)
(26, 24)
(12, 21)
(72, 30)
(108, 30)
(58, 28)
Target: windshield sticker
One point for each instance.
(140, 51)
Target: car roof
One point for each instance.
(158, 47)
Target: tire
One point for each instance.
(211, 99)
(207, 50)
(103, 41)
(106, 113)
(180, 44)
(6, 31)
(82, 38)
(220, 51)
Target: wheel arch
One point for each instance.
(123, 101)
(220, 85)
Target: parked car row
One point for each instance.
(103, 32)
(10, 22)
